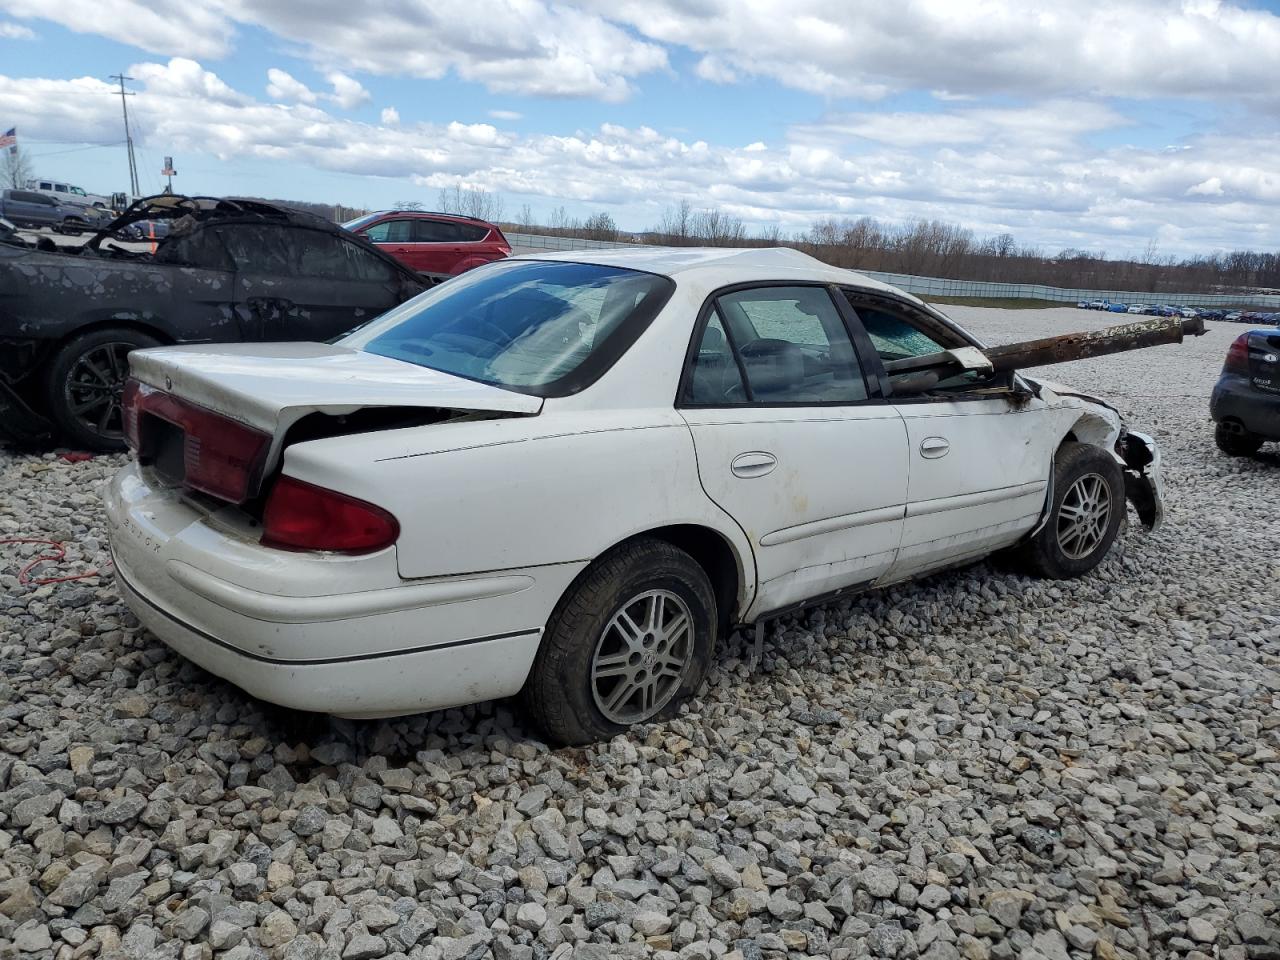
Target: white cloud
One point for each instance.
(347, 91)
(15, 31)
(282, 86)
(862, 48)
(390, 117)
(187, 29)
(1202, 49)
(988, 169)
(505, 115)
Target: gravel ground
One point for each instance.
(979, 765)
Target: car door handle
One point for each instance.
(931, 448)
(756, 463)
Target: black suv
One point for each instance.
(1246, 401)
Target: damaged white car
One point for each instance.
(570, 478)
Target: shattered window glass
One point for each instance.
(298, 252)
(197, 248)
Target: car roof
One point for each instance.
(732, 264)
(428, 215)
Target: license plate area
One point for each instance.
(165, 449)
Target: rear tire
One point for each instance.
(1244, 444)
(86, 381)
(1086, 514)
(605, 639)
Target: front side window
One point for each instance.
(541, 327)
(791, 344)
(894, 337)
(390, 231)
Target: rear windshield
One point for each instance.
(536, 326)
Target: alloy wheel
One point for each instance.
(642, 657)
(1083, 516)
(94, 388)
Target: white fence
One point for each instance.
(926, 287)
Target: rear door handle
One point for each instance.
(931, 448)
(755, 463)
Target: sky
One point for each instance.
(1105, 125)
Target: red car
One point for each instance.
(436, 245)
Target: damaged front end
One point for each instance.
(1143, 484)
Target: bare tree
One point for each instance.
(17, 168)
(677, 222)
(600, 226)
(525, 219)
(470, 202)
(408, 205)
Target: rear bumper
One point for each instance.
(325, 633)
(1236, 400)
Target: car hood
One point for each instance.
(273, 385)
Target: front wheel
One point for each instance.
(629, 641)
(1085, 516)
(1233, 444)
(86, 384)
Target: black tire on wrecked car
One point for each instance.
(1086, 514)
(1236, 443)
(628, 642)
(85, 384)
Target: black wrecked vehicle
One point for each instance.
(227, 271)
(1245, 405)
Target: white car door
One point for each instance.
(792, 444)
(980, 457)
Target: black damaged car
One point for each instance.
(1245, 404)
(226, 271)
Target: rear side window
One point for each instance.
(789, 342)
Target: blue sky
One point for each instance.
(1103, 125)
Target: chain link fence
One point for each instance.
(926, 287)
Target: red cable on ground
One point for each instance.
(24, 575)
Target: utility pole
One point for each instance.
(128, 138)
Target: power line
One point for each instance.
(128, 138)
(91, 146)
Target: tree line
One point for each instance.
(927, 248)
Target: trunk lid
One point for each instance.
(270, 386)
(273, 388)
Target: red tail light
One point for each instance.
(302, 516)
(1238, 355)
(220, 456)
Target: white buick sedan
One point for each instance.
(569, 478)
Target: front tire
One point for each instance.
(629, 641)
(1244, 444)
(85, 385)
(1086, 514)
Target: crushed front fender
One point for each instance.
(1143, 484)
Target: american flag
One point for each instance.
(10, 140)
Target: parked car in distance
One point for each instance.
(1097, 305)
(571, 475)
(68, 193)
(1245, 404)
(26, 208)
(1139, 308)
(1082, 304)
(1118, 307)
(228, 271)
(436, 245)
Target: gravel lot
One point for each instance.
(979, 765)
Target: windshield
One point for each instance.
(78, 192)
(535, 326)
(359, 222)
